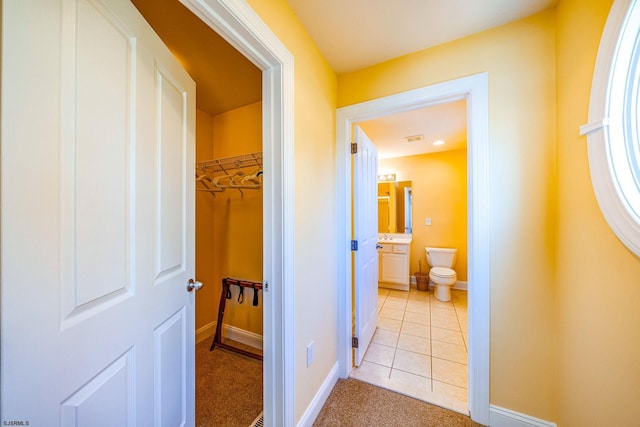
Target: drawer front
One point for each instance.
(400, 249)
(386, 247)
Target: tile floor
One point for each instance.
(420, 347)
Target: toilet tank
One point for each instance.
(441, 257)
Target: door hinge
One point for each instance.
(354, 245)
(354, 148)
(354, 341)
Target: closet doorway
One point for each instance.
(241, 190)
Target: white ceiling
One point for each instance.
(447, 122)
(354, 34)
(351, 34)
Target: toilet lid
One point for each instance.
(443, 272)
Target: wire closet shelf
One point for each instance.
(215, 176)
(230, 164)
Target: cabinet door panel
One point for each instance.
(394, 268)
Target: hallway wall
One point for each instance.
(520, 60)
(315, 316)
(598, 286)
(562, 348)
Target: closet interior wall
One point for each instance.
(229, 225)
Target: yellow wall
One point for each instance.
(238, 217)
(598, 285)
(229, 226)
(315, 207)
(440, 193)
(520, 61)
(564, 346)
(207, 297)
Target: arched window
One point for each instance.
(613, 132)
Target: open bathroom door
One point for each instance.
(365, 190)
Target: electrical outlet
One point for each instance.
(310, 354)
(427, 221)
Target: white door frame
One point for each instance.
(475, 90)
(237, 23)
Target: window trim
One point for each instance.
(613, 131)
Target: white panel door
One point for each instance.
(366, 233)
(97, 219)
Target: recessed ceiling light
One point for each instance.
(438, 142)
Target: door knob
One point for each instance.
(193, 285)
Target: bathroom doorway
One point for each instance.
(270, 79)
(419, 347)
(474, 90)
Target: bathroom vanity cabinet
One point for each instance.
(393, 264)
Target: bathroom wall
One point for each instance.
(229, 226)
(598, 279)
(440, 193)
(519, 59)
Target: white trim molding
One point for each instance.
(475, 90)
(614, 125)
(237, 23)
(228, 331)
(501, 417)
(319, 399)
(205, 332)
(460, 285)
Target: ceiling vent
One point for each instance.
(414, 138)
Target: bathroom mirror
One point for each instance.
(394, 207)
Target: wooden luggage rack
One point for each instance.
(226, 294)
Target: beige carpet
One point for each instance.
(229, 394)
(228, 387)
(355, 403)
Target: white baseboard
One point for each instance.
(460, 285)
(205, 332)
(395, 286)
(319, 399)
(501, 417)
(240, 335)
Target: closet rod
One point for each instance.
(235, 162)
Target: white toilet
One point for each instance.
(442, 274)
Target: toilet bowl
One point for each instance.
(443, 278)
(442, 275)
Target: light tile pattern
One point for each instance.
(420, 347)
